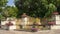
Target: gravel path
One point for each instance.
(24, 32)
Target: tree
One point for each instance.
(10, 11)
(51, 9)
(56, 3)
(2, 4)
(36, 8)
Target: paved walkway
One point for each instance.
(24, 32)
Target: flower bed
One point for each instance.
(9, 24)
(34, 29)
(51, 23)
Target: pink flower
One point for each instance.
(51, 23)
(34, 29)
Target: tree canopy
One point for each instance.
(36, 8)
(10, 11)
(3, 2)
(7, 11)
(2, 5)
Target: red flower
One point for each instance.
(55, 13)
(51, 23)
(9, 24)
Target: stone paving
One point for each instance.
(24, 32)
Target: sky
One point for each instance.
(10, 3)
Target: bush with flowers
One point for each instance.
(9, 24)
(51, 23)
(34, 29)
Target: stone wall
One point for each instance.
(30, 22)
(17, 23)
